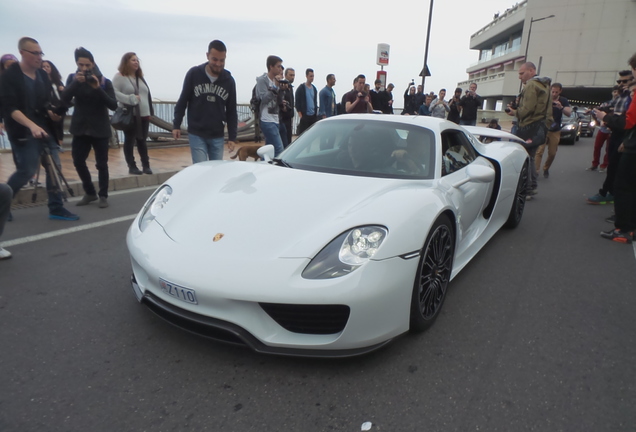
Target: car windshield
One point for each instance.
(364, 147)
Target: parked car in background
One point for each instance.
(587, 124)
(570, 129)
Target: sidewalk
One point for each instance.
(164, 162)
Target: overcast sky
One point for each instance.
(340, 37)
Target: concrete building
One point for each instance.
(580, 43)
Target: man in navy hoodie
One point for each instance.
(209, 94)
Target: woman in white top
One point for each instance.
(131, 89)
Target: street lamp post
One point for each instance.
(532, 20)
(425, 70)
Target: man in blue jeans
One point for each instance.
(25, 94)
(267, 92)
(209, 95)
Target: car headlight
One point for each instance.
(154, 205)
(592, 123)
(346, 253)
(569, 127)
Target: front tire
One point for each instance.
(519, 203)
(433, 275)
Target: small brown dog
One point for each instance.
(247, 151)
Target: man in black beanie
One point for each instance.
(93, 95)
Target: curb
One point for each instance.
(25, 195)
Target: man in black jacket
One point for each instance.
(287, 114)
(470, 103)
(307, 102)
(93, 95)
(25, 92)
(209, 94)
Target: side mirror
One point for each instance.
(477, 174)
(266, 152)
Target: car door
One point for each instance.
(471, 198)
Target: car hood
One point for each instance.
(257, 209)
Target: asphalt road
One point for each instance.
(537, 334)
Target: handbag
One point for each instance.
(123, 118)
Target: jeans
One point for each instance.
(599, 142)
(27, 158)
(81, 148)
(6, 196)
(272, 136)
(131, 136)
(204, 149)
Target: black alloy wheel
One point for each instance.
(519, 203)
(433, 275)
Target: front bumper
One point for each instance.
(233, 298)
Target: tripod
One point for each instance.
(53, 171)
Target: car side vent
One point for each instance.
(308, 319)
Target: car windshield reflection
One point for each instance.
(365, 147)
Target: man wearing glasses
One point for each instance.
(605, 194)
(25, 94)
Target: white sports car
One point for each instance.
(345, 241)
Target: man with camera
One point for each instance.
(532, 110)
(25, 92)
(307, 102)
(357, 100)
(560, 106)
(93, 95)
(270, 97)
(469, 104)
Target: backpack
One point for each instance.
(255, 102)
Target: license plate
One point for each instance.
(184, 294)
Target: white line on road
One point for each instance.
(57, 233)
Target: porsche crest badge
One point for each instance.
(218, 237)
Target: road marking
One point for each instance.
(61, 232)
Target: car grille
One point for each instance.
(308, 319)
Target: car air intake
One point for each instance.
(308, 319)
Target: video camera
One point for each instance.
(513, 106)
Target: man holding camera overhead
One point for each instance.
(93, 95)
(469, 104)
(25, 92)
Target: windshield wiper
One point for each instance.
(281, 162)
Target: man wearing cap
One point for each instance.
(93, 95)
(453, 106)
(25, 92)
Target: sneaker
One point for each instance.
(4, 254)
(600, 199)
(86, 199)
(134, 170)
(63, 214)
(618, 236)
(529, 198)
(103, 202)
(602, 170)
(611, 219)
(546, 173)
(592, 168)
(147, 170)
(532, 192)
